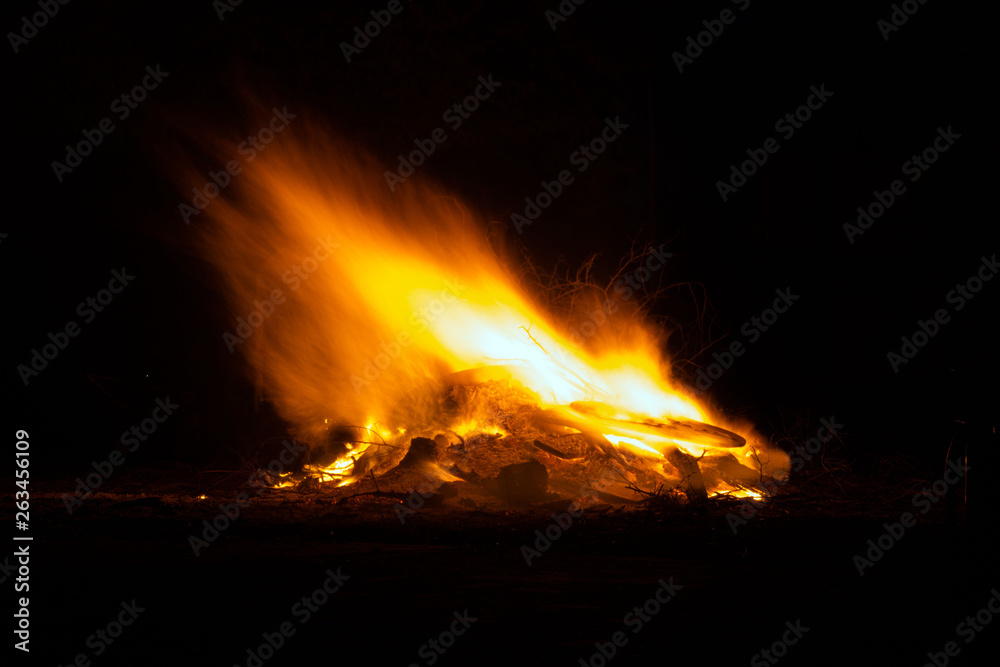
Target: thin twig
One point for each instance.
(528, 331)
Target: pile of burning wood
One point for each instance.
(411, 326)
(495, 437)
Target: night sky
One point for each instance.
(885, 96)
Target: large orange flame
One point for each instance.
(354, 304)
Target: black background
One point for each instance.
(657, 184)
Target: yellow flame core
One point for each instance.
(368, 298)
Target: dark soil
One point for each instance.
(791, 562)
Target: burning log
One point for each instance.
(678, 428)
(691, 475)
(422, 451)
(523, 483)
(553, 451)
(727, 468)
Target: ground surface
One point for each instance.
(792, 562)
